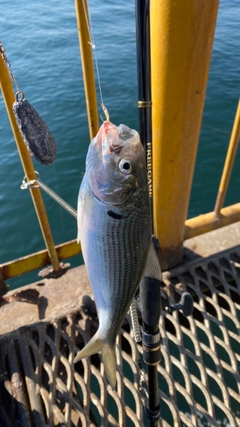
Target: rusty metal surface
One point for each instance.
(44, 299)
(199, 373)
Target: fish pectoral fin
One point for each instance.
(108, 356)
(152, 268)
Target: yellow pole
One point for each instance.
(87, 65)
(227, 170)
(181, 43)
(208, 222)
(9, 98)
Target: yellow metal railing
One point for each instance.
(38, 260)
(181, 43)
(83, 23)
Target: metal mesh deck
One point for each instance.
(199, 381)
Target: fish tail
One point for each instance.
(92, 347)
(108, 356)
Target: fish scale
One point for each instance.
(107, 263)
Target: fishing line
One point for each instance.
(93, 45)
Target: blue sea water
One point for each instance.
(41, 41)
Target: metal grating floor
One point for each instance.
(199, 374)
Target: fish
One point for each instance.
(114, 228)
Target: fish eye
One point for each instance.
(125, 166)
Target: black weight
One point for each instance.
(35, 132)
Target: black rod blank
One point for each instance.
(149, 288)
(144, 83)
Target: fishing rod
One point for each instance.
(149, 288)
(144, 85)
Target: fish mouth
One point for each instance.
(108, 139)
(105, 129)
(112, 139)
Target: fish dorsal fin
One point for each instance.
(152, 268)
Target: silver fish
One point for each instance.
(114, 227)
